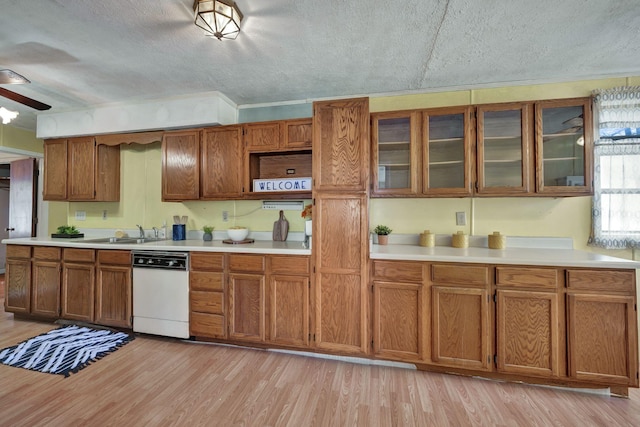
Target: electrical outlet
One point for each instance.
(461, 218)
(225, 216)
(104, 215)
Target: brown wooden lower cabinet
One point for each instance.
(530, 333)
(247, 307)
(17, 298)
(460, 316)
(78, 284)
(207, 300)
(114, 288)
(400, 311)
(460, 328)
(45, 282)
(602, 326)
(289, 310)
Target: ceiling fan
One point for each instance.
(11, 77)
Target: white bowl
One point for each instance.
(238, 234)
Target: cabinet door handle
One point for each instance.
(9, 229)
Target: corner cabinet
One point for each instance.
(79, 169)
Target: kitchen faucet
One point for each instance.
(155, 232)
(141, 231)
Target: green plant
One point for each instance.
(207, 229)
(68, 229)
(382, 230)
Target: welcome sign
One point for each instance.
(282, 184)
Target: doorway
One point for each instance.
(8, 155)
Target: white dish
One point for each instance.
(238, 234)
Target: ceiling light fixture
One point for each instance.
(218, 18)
(7, 115)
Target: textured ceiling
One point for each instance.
(83, 53)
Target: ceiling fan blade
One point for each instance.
(24, 100)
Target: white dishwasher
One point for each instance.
(161, 293)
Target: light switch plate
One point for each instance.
(81, 215)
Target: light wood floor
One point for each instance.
(166, 382)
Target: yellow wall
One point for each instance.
(561, 217)
(20, 139)
(140, 202)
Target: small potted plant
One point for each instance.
(383, 234)
(207, 236)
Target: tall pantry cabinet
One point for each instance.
(340, 224)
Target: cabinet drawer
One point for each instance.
(460, 274)
(79, 255)
(114, 257)
(602, 280)
(49, 253)
(290, 265)
(206, 325)
(246, 262)
(206, 281)
(527, 277)
(206, 261)
(14, 251)
(206, 302)
(398, 271)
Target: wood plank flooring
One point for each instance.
(165, 382)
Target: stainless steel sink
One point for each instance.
(124, 240)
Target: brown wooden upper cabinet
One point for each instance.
(278, 135)
(422, 153)
(526, 148)
(504, 149)
(564, 145)
(78, 169)
(221, 162)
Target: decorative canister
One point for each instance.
(460, 240)
(497, 240)
(427, 239)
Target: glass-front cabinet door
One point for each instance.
(446, 151)
(503, 148)
(394, 153)
(564, 141)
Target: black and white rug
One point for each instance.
(64, 350)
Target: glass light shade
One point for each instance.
(218, 18)
(7, 115)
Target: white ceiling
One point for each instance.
(84, 53)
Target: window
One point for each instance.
(616, 200)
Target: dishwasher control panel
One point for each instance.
(166, 260)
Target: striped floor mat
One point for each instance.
(64, 350)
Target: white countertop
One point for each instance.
(407, 252)
(259, 246)
(519, 256)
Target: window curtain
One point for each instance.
(616, 199)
